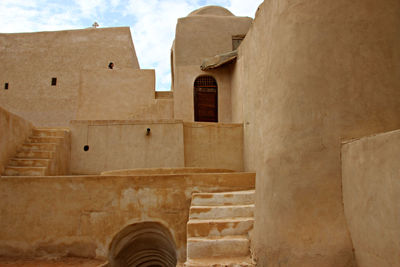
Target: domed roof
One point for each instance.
(211, 11)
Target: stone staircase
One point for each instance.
(218, 229)
(40, 154)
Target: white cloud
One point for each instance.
(153, 34)
(244, 8)
(21, 3)
(114, 3)
(35, 15)
(91, 8)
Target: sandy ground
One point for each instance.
(64, 262)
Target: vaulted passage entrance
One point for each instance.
(206, 99)
(146, 244)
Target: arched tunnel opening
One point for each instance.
(145, 244)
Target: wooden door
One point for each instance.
(206, 99)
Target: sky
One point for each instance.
(152, 22)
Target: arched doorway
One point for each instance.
(205, 99)
(146, 244)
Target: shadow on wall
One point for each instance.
(143, 244)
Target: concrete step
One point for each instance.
(38, 146)
(36, 154)
(22, 162)
(221, 212)
(39, 139)
(226, 198)
(220, 262)
(221, 227)
(49, 132)
(214, 247)
(25, 171)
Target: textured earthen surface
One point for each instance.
(152, 171)
(311, 73)
(120, 94)
(219, 227)
(211, 145)
(116, 145)
(204, 33)
(63, 262)
(80, 215)
(62, 55)
(371, 196)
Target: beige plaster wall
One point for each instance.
(86, 212)
(13, 132)
(213, 145)
(202, 36)
(119, 145)
(371, 196)
(156, 109)
(116, 145)
(198, 37)
(312, 73)
(32, 59)
(61, 163)
(120, 94)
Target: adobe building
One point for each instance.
(204, 33)
(277, 145)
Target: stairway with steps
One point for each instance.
(218, 229)
(41, 154)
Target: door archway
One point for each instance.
(205, 99)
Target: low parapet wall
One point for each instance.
(116, 145)
(213, 145)
(13, 131)
(371, 196)
(131, 144)
(80, 215)
(155, 171)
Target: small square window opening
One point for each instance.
(6, 86)
(53, 81)
(236, 41)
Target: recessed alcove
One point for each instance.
(143, 244)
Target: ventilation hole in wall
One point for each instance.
(53, 81)
(86, 148)
(6, 86)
